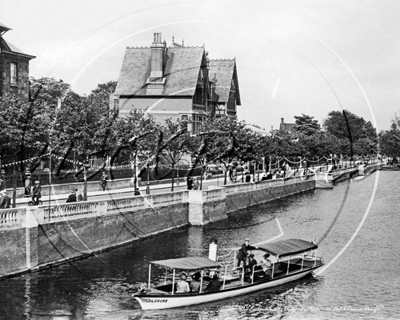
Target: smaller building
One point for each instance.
(14, 68)
(288, 127)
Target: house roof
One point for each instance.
(223, 71)
(286, 126)
(4, 28)
(180, 72)
(258, 130)
(10, 48)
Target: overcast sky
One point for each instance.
(292, 56)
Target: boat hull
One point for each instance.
(167, 301)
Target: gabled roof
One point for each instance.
(4, 28)
(10, 48)
(224, 71)
(181, 71)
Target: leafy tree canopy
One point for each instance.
(306, 125)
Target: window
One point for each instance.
(116, 105)
(13, 73)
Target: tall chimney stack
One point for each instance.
(157, 54)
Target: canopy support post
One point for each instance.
(273, 269)
(173, 281)
(302, 262)
(288, 264)
(226, 267)
(315, 258)
(201, 281)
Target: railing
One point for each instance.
(125, 205)
(12, 217)
(76, 210)
(214, 194)
(167, 198)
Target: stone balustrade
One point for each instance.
(12, 218)
(36, 215)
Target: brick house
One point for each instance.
(173, 82)
(14, 68)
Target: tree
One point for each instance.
(305, 125)
(337, 121)
(348, 126)
(389, 140)
(224, 139)
(179, 143)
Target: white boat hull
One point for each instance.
(159, 301)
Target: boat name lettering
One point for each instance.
(154, 300)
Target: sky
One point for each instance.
(292, 56)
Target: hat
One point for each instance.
(183, 276)
(37, 181)
(251, 255)
(247, 239)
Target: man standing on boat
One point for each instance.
(243, 253)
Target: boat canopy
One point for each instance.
(288, 247)
(189, 263)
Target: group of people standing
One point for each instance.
(193, 184)
(75, 195)
(250, 263)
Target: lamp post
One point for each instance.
(134, 164)
(86, 166)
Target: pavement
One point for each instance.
(123, 193)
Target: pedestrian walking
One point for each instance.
(103, 180)
(36, 193)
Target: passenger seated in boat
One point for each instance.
(266, 265)
(214, 285)
(252, 263)
(253, 267)
(182, 285)
(195, 284)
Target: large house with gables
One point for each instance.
(14, 68)
(174, 83)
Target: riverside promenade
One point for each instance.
(35, 237)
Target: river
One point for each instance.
(356, 225)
